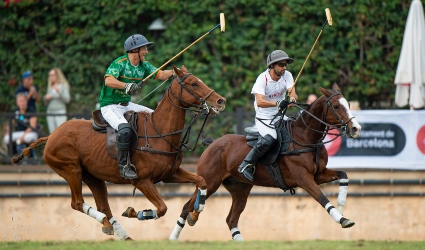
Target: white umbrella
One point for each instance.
(411, 66)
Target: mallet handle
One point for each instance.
(302, 68)
(181, 52)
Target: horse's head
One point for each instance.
(193, 92)
(337, 112)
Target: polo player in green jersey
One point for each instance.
(121, 80)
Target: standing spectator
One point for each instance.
(30, 91)
(56, 98)
(25, 124)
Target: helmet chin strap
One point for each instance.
(138, 53)
(276, 72)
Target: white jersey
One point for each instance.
(272, 91)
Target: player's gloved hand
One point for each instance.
(281, 104)
(131, 88)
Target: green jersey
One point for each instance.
(123, 71)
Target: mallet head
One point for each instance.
(328, 16)
(222, 22)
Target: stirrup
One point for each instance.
(132, 172)
(242, 169)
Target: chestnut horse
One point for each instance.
(78, 153)
(306, 168)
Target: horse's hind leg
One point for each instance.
(100, 195)
(330, 175)
(240, 192)
(305, 180)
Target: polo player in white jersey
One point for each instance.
(270, 90)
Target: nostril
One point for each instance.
(220, 102)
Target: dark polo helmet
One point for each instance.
(278, 55)
(135, 41)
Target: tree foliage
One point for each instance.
(360, 51)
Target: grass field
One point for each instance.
(215, 245)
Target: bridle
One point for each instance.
(201, 109)
(342, 126)
(202, 101)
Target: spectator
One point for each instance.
(25, 124)
(354, 105)
(311, 98)
(56, 98)
(30, 91)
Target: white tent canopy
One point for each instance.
(410, 74)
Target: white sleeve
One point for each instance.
(260, 85)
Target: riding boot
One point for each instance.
(127, 170)
(247, 167)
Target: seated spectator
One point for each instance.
(25, 125)
(56, 98)
(30, 91)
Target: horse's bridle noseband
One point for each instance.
(343, 124)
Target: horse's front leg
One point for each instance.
(148, 189)
(306, 181)
(330, 175)
(195, 205)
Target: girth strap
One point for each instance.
(274, 172)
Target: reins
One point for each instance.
(201, 109)
(320, 143)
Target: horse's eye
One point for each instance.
(336, 106)
(194, 84)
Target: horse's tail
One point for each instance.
(26, 151)
(207, 141)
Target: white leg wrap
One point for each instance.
(342, 195)
(93, 213)
(236, 234)
(177, 229)
(333, 212)
(122, 234)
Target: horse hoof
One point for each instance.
(128, 212)
(129, 238)
(108, 230)
(190, 220)
(347, 223)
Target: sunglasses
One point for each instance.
(282, 64)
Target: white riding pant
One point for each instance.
(266, 127)
(114, 113)
(29, 137)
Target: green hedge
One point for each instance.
(359, 52)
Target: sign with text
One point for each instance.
(392, 139)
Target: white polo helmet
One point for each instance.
(278, 55)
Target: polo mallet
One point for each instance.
(222, 24)
(328, 21)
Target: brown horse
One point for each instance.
(305, 168)
(78, 153)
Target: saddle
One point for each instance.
(270, 159)
(281, 147)
(100, 125)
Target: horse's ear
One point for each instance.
(177, 71)
(184, 69)
(335, 87)
(326, 92)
